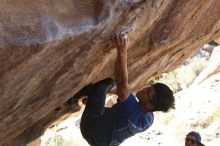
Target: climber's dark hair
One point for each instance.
(163, 99)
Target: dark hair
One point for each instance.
(163, 99)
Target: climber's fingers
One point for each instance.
(121, 40)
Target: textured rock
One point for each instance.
(51, 49)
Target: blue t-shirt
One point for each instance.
(122, 121)
(129, 120)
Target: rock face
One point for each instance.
(51, 49)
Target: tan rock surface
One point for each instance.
(51, 49)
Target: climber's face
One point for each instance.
(145, 97)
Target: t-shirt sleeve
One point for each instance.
(137, 118)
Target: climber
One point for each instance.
(102, 126)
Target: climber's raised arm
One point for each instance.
(121, 71)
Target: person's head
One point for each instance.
(157, 97)
(193, 139)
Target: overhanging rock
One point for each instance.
(51, 49)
